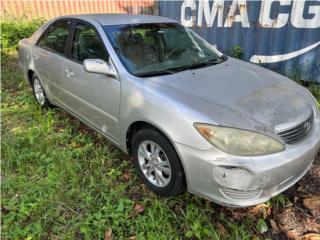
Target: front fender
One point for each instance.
(162, 107)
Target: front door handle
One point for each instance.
(68, 72)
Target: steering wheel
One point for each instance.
(178, 51)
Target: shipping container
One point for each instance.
(281, 35)
(31, 9)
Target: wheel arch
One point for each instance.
(30, 73)
(134, 127)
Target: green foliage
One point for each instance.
(59, 182)
(13, 30)
(279, 202)
(262, 226)
(237, 52)
(238, 230)
(199, 224)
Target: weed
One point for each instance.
(237, 52)
(262, 226)
(279, 202)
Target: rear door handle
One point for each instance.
(68, 72)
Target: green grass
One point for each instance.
(60, 180)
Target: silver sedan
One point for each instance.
(191, 117)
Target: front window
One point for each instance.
(160, 48)
(87, 44)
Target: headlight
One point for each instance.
(239, 142)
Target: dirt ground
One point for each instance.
(303, 217)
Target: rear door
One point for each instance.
(49, 55)
(93, 97)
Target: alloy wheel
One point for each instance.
(38, 92)
(154, 163)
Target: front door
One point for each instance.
(95, 98)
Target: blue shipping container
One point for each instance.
(282, 35)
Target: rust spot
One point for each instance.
(243, 7)
(230, 20)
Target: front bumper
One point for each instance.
(245, 181)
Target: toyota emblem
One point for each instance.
(307, 126)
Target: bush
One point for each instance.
(13, 30)
(237, 52)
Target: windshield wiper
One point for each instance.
(155, 73)
(205, 63)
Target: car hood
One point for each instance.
(240, 94)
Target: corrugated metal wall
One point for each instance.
(284, 35)
(52, 8)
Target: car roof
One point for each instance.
(116, 19)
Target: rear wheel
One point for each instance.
(39, 93)
(157, 163)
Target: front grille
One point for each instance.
(298, 132)
(240, 194)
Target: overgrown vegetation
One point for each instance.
(13, 30)
(60, 180)
(237, 52)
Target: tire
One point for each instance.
(39, 92)
(166, 175)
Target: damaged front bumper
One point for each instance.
(245, 181)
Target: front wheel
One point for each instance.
(157, 163)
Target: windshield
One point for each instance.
(160, 48)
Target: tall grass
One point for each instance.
(14, 29)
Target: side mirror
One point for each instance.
(99, 66)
